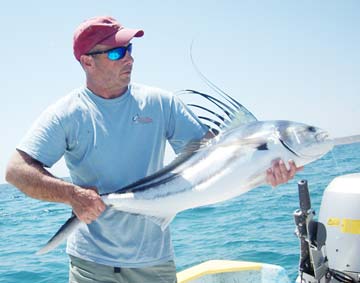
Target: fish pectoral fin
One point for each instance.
(163, 222)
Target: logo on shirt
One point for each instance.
(137, 119)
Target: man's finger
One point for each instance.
(299, 168)
(270, 179)
(276, 172)
(293, 169)
(283, 171)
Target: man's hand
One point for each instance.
(87, 204)
(279, 174)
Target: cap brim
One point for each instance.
(122, 37)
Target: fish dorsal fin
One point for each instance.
(219, 114)
(168, 172)
(232, 113)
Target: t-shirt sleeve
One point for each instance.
(45, 141)
(184, 126)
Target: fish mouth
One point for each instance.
(323, 137)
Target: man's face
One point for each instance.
(111, 73)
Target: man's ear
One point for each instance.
(86, 61)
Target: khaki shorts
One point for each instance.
(82, 271)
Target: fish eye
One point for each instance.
(311, 129)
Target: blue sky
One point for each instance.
(292, 60)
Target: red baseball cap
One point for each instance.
(101, 30)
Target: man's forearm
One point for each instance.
(34, 180)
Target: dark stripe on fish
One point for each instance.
(159, 177)
(263, 146)
(147, 186)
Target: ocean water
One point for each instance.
(257, 226)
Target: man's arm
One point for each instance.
(30, 176)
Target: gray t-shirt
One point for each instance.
(109, 143)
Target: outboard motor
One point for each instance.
(330, 247)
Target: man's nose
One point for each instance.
(128, 58)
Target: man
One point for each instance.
(111, 133)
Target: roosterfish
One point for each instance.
(212, 171)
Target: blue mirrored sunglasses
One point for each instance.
(116, 53)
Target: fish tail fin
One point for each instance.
(65, 230)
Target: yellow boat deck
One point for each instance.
(214, 271)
